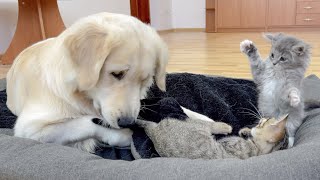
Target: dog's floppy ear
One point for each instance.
(88, 48)
(161, 64)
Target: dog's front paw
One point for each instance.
(247, 47)
(100, 122)
(294, 98)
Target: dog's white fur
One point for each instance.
(57, 86)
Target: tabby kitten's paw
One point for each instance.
(221, 128)
(228, 129)
(294, 98)
(245, 132)
(247, 47)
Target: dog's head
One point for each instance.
(115, 59)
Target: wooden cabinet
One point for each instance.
(308, 19)
(281, 12)
(308, 12)
(210, 15)
(229, 13)
(253, 13)
(264, 15)
(241, 13)
(308, 7)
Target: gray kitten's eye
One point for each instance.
(272, 55)
(282, 59)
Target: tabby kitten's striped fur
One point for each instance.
(193, 138)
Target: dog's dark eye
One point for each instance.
(272, 55)
(282, 59)
(118, 75)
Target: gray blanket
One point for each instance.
(27, 159)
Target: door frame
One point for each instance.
(137, 10)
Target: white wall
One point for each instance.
(70, 10)
(161, 14)
(8, 20)
(165, 14)
(169, 14)
(188, 13)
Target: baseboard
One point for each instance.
(270, 29)
(189, 30)
(165, 31)
(181, 30)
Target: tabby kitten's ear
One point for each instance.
(279, 129)
(282, 121)
(300, 49)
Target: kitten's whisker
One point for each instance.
(252, 112)
(142, 104)
(144, 108)
(248, 113)
(253, 115)
(261, 115)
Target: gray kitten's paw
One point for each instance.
(247, 47)
(294, 98)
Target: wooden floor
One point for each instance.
(218, 53)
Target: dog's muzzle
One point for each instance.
(125, 122)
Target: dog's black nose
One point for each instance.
(125, 122)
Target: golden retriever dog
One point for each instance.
(84, 85)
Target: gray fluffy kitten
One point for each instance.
(193, 138)
(279, 78)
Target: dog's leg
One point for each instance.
(70, 131)
(194, 115)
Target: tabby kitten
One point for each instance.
(279, 78)
(193, 138)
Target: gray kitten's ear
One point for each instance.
(300, 49)
(268, 36)
(272, 37)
